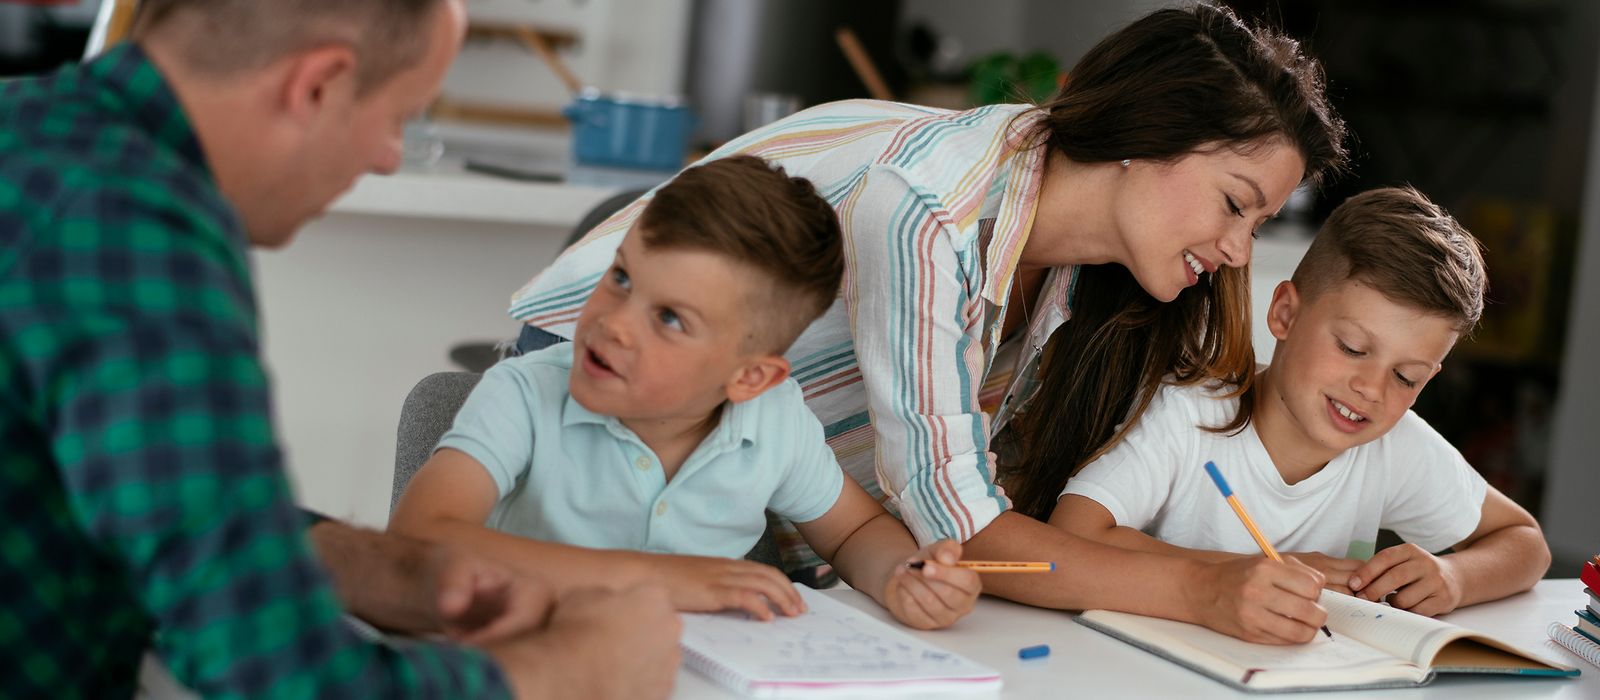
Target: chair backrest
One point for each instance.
(425, 416)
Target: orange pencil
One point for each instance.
(1238, 508)
(1002, 567)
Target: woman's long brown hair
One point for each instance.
(1175, 82)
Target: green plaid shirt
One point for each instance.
(143, 503)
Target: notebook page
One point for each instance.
(1321, 654)
(1405, 634)
(831, 646)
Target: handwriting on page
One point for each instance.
(1399, 632)
(817, 646)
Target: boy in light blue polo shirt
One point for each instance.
(650, 446)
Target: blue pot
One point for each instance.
(629, 132)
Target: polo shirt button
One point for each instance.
(643, 463)
(661, 508)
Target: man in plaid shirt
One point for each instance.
(143, 496)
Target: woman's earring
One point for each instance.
(1127, 162)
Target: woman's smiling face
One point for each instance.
(1178, 220)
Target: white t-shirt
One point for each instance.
(1410, 481)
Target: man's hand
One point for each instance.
(1259, 600)
(710, 584)
(1336, 571)
(478, 601)
(598, 644)
(1412, 578)
(936, 595)
(404, 585)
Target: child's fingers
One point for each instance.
(954, 586)
(771, 584)
(746, 599)
(1291, 619)
(1433, 604)
(909, 608)
(1393, 579)
(956, 576)
(1408, 596)
(1292, 605)
(1376, 566)
(946, 552)
(1298, 579)
(922, 591)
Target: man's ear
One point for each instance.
(1285, 307)
(317, 78)
(756, 376)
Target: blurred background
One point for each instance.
(1485, 105)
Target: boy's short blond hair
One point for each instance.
(759, 216)
(1399, 243)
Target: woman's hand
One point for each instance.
(710, 584)
(935, 595)
(1412, 578)
(1260, 600)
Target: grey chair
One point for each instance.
(430, 409)
(425, 416)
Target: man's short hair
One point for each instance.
(230, 36)
(1407, 248)
(759, 216)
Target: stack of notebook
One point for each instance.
(1583, 638)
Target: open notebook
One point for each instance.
(1373, 646)
(832, 649)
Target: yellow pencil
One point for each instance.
(1238, 508)
(1002, 567)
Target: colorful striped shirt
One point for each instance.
(143, 495)
(935, 207)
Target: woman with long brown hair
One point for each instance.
(1020, 278)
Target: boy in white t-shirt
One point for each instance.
(1323, 448)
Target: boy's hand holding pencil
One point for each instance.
(936, 593)
(1262, 583)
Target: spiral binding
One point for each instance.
(720, 673)
(1574, 642)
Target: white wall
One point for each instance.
(358, 309)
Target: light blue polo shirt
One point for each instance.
(569, 475)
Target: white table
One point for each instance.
(1086, 664)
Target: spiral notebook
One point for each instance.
(832, 649)
(1576, 642)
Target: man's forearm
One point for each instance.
(379, 577)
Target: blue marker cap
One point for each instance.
(1034, 652)
(1222, 484)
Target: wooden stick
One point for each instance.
(536, 41)
(862, 64)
